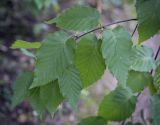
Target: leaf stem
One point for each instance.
(104, 26)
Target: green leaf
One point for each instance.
(25, 45)
(93, 120)
(157, 78)
(148, 18)
(55, 54)
(21, 87)
(47, 97)
(39, 3)
(88, 60)
(152, 89)
(71, 86)
(36, 102)
(117, 105)
(143, 59)
(48, 3)
(157, 62)
(137, 81)
(116, 50)
(155, 110)
(51, 96)
(77, 18)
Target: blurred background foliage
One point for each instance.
(25, 19)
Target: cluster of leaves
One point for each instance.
(64, 67)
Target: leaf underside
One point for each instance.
(116, 50)
(143, 59)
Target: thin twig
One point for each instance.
(104, 26)
(138, 94)
(134, 30)
(158, 51)
(155, 58)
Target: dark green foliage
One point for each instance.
(157, 78)
(88, 60)
(148, 18)
(137, 81)
(155, 110)
(21, 87)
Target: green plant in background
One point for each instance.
(45, 3)
(38, 5)
(38, 10)
(63, 67)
